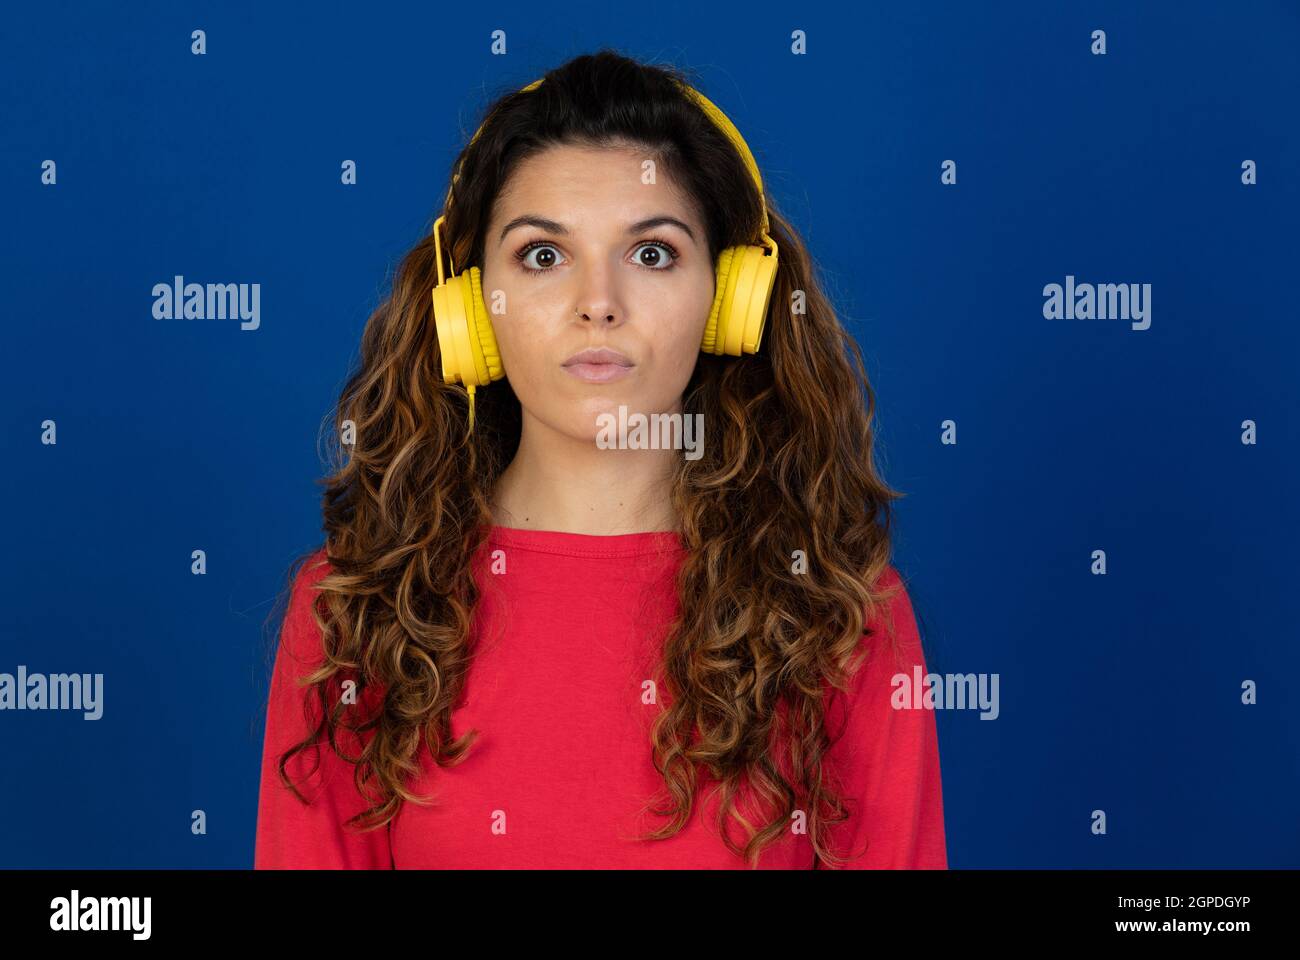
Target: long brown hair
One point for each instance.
(406, 507)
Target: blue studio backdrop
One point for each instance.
(1100, 511)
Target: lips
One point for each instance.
(602, 355)
(598, 366)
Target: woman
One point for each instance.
(534, 639)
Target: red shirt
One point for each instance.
(566, 633)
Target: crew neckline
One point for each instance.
(587, 544)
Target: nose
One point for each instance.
(599, 296)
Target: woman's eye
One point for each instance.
(654, 256)
(539, 258)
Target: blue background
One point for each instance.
(1118, 692)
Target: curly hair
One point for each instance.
(748, 663)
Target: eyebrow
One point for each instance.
(552, 226)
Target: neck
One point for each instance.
(570, 485)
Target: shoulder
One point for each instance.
(890, 646)
(891, 626)
(303, 640)
(300, 635)
(313, 567)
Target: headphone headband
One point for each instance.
(719, 119)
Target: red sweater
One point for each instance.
(566, 631)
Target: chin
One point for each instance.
(585, 417)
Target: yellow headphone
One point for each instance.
(744, 275)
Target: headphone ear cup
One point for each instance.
(466, 339)
(712, 343)
(754, 288)
(487, 355)
(745, 278)
(449, 313)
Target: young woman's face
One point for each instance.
(581, 253)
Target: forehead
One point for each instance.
(562, 179)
